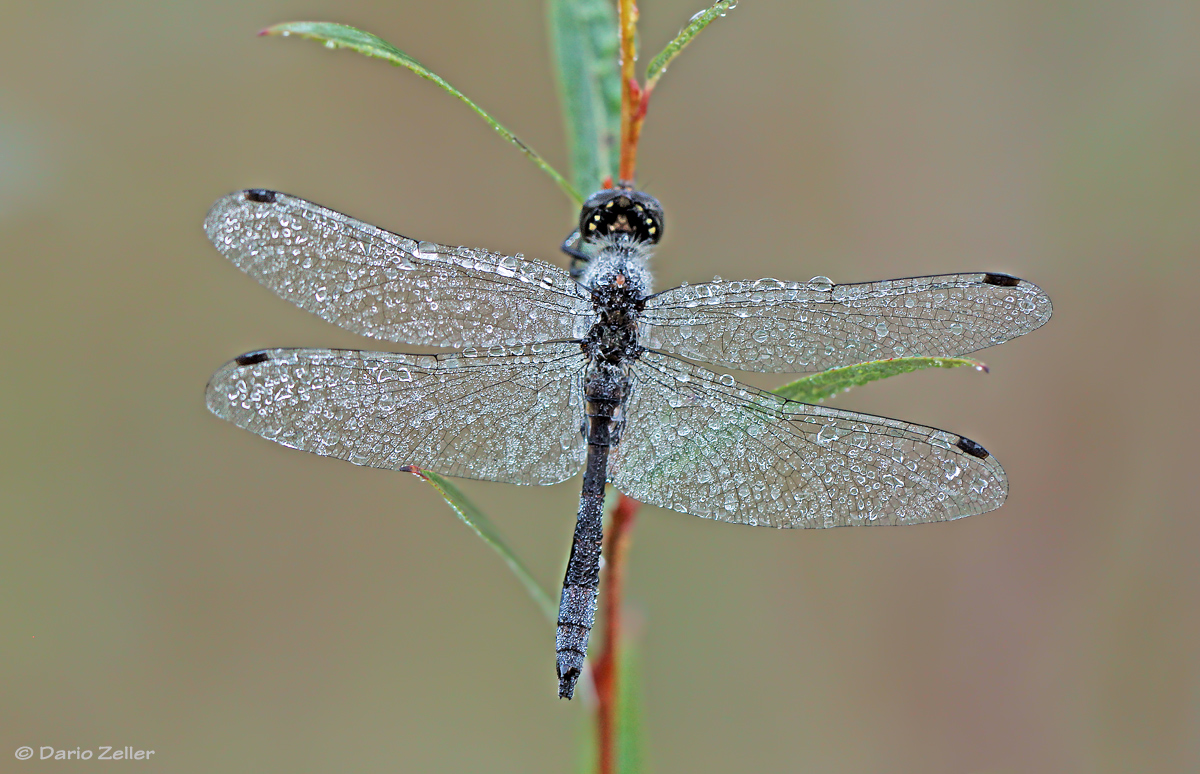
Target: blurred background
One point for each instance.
(177, 584)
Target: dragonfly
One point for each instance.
(544, 372)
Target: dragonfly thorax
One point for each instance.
(620, 262)
(613, 337)
(619, 281)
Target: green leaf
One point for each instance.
(658, 65)
(341, 36)
(630, 732)
(483, 527)
(631, 741)
(585, 45)
(818, 387)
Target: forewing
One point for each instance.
(700, 443)
(769, 325)
(512, 417)
(390, 287)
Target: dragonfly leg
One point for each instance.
(579, 259)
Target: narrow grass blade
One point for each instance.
(818, 387)
(483, 527)
(658, 65)
(583, 38)
(340, 36)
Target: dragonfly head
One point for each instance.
(622, 211)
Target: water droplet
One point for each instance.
(821, 284)
(881, 328)
(426, 249)
(727, 380)
(1025, 305)
(957, 329)
(940, 438)
(760, 336)
(827, 435)
(507, 266)
(330, 44)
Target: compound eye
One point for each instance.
(648, 214)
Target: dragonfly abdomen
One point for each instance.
(605, 389)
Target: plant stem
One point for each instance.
(630, 91)
(604, 675)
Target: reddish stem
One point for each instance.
(630, 141)
(604, 672)
(630, 93)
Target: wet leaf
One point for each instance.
(584, 44)
(818, 387)
(658, 65)
(483, 527)
(341, 36)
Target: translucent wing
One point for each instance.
(769, 325)
(512, 417)
(703, 444)
(390, 287)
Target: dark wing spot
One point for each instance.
(972, 448)
(1003, 280)
(260, 195)
(252, 358)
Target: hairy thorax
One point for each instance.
(619, 282)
